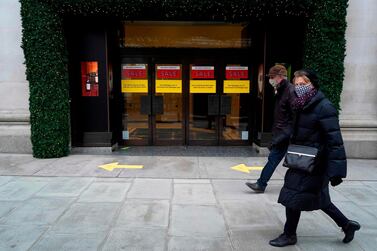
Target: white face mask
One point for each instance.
(273, 83)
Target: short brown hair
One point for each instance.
(277, 70)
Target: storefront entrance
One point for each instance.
(187, 97)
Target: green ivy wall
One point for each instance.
(45, 52)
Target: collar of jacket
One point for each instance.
(283, 84)
(316, 99)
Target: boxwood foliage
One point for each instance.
(45, 50)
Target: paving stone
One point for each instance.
(232, 190)
(326, 244)
(192, 181)
(151, 188)
(110, 179)
(193, 194)
(7, 206)
(256, 239)
(148, 213)
(19, 237)
(68, 242)
(372, 184)
(72, 165)
(105, 192)
(197, 221)
(166, 167)
(37, 211)
(359, 194)
(136, 239)
(355, 212)
(21, 164)
(86, 218)
(367, 241)
(5, 179)
(189, 244)
(65, 187)
(249, 214)
(17, 191)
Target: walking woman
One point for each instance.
(316, 124)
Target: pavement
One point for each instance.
(182, 199)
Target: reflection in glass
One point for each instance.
(133, 121)
(169, 122)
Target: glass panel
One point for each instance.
(167, 103)
(235, 124)
(202, 126)
(137, 103)
(135, 124)
(185, 35)
(169, 123)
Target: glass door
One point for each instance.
(235, 103)
(135, 88)
(167, 115)
(203, 104)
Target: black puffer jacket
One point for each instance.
(283, 116)
(316, 125)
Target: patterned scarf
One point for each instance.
(300, 102)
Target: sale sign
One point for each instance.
(134, 78)
(134, 71)
(237, 72)
(168, 72)
(202, 72)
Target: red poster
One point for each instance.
(134, 72)
(237, 72)
(168, 72)
(202, 72)
(89, 79)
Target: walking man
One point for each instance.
(282, 126)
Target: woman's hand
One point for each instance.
(335, 181)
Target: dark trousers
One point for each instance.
(274, 158)
(293, 216)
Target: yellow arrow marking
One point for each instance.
(246, 169)
(112, 166)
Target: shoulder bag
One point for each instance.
(301, 157)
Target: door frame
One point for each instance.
(185, 57)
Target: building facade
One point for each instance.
(183, 83)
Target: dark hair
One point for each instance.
(310, 74)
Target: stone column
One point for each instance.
(14, 89)
(358, 117)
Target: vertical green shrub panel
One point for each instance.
(45, 52)
(47, 73)
(325, 46)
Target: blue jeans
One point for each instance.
(274, 158)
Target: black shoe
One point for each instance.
(349, 230)
(256, 187)
(284, 240)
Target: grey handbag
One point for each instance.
(301, 157)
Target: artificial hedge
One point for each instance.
(46, 53)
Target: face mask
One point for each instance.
(273, 83)
(302, 89)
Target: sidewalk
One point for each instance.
(173, 203)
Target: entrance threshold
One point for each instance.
(202, 151)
